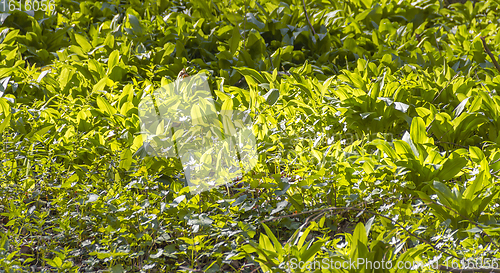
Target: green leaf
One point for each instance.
(279, 207)
(272, 96)
(136, 25)
(119, 268)
(418, 131)
(451, 167)
(296, 201)
(253, 21)
(234, 41)
(6, 71)
(303, 235)
(360, 241)
(5, 122)
(460, 107)
(4, 106)
(3, 85)
(228, 124)
(309, 253)
(126, 159)
(277, 244)
(359, 234)
(83, 42)
(127, 106)
(266, 244)
(68, 183)
(100, 85)
(113, 59)
(407, 138)
(384, 147)
(445, 194)
(196, 115)
(251, 75)
(104, 106)
(472, 191)
(41, 132)
(484, 202)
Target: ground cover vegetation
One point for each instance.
(377, 124)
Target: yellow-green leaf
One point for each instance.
(126, 159)
(104, 106)
(83, 43)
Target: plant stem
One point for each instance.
(307, 17)
(487, 49)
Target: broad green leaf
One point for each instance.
(484, 202)
(5, 123)
(265, 243)
(119, 268)
(360, 234)
(68, 183)
(309, 253)
(272, 96)
(5, 71)
(227, 107)
(384, 147)
(418, 131)
(407, 138)
(296, 201)
(4, 106)
(196, 115)
(110, 40)
(445, 194)
(126, 159)
(476, 153)
(252, 20)
(104, 106)
(113, 59)
(235, 39)
(136, 25)
(360, 241)
(303, 235)
(472, 190)
(228, 124)
(460, 108)
(3, 85)
(277, 244)
(38, 134)
(127, 106)
(475, 105)
(83, 43)
(100, 85)
(251, 75)
(451, 167)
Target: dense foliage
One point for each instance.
(377, 126)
